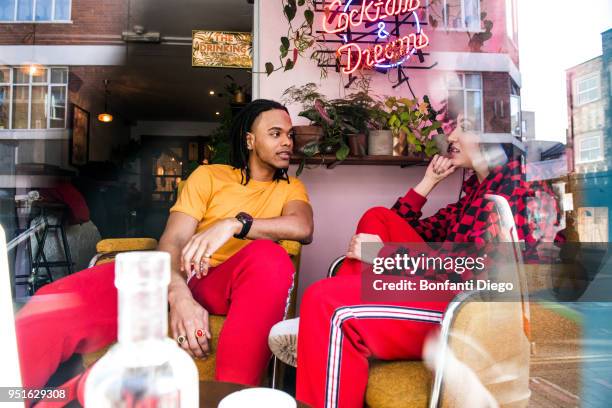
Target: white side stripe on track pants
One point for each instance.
(343, 314)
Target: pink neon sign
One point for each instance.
(339, 18)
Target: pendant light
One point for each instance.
(105, 116)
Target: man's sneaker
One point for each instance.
(283, 340)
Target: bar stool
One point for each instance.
(40, 267)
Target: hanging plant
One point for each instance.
(299, 38)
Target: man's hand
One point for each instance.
(196, 254)
(439, 168)
(355, 249)
(187, 317)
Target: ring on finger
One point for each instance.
(199, 333)
(181, 339)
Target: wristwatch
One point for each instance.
(246, 220)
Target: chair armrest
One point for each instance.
(126, 244)
(293, 248)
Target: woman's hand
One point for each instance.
(355, 248)
(187, 317)
(439, 168)
(196, 254)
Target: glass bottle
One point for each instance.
(145, 368)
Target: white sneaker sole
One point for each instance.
(283, 341)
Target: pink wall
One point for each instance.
(340, 196)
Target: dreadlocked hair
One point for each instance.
(241, 125)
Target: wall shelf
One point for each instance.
(329, 160)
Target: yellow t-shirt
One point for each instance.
(213, 192)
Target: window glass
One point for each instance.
(472, 14)
(454, 80)
(44, 8)
(453, 14)
(587, 89)
(21, 96)
(473, 81)
(5, 75)
(473, 109)
(21, 76)
(39, 75)
(39, 107)
(515, 115)
(62, 10)
(7, 10)
(58, 107)
(589, 149)
(5, 99)
(24, 10)
(455, 102)
(59, 76)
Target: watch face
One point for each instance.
(244, 217)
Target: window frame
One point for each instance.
(34, 20)
(46, 83)
(590, 136)
(465, 90)
(464, 26)
(584, 78)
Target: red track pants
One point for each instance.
(338, 333)
(78, 314)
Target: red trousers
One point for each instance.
(78, 314)
(338, 333)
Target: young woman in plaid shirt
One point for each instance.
(340, 332)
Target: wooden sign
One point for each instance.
(221, 49)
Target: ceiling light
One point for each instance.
(105, 116)
(217, 113)
(211, 92)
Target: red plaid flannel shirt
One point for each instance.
(472, 219)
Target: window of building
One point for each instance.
(593, 224)
(33, 98)
(515, 109)
(587, 89)
(35, 10)
(461, 14)
(465, 96)
(590, 148)
(511, 20)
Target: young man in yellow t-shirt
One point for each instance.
(221, 236)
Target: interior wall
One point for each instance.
(340, 196)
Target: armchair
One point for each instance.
(491, 338)
(107, 250)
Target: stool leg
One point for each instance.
(67, 254)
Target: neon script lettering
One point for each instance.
(394, 50)
(336, 20)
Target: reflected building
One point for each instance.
(590, 142)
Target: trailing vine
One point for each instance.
(299, 38)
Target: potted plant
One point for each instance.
(413, 127)
(236, 91)
(380, 137)
(333, 128)
(306, 95)
(353, 114)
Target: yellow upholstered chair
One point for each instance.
(491, 338)
(108, 248)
